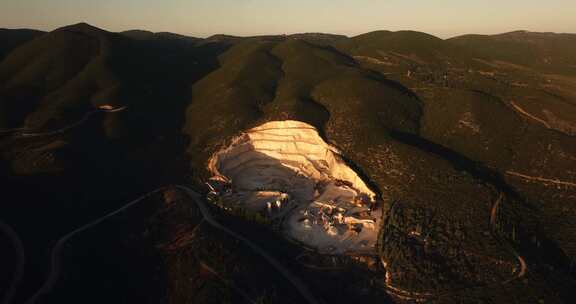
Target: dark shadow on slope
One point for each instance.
(460, 162)
(317, 114)
(17, 103)
(374, 75)
(101, 172)
(371, 184)
(159, 75)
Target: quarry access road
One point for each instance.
(299, 285)
(530, 116)
(541, 180)
(522, 267)
(24, 134)
(56, 263)
(20, 263)
(521, 261)
(425, 296)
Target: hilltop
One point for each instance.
(544, 52)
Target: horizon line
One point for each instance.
(207, 36)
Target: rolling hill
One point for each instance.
(543, 52)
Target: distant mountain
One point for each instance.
(147, 35)
(139, 34)
(546, 52)
(318, 38)
(409, 46)
(223, 38)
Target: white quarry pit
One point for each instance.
(284, 169)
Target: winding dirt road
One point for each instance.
(25, 134)
(55, 256)
(20, 262)
(272, 261)
(56, 263)
(521, 262)
(541, 180)
(425, 296)
(528, 115)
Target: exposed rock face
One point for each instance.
(331, 202)
(253, 160)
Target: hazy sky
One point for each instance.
(443, 18)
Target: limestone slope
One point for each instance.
(323, 195)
